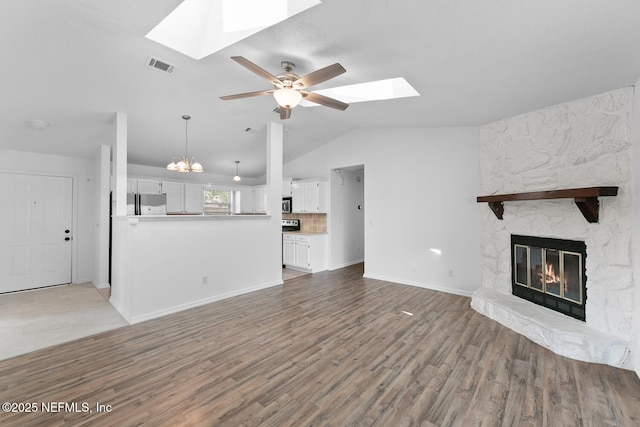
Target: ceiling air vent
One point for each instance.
(160, 65)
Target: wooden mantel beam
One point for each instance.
(585, 198)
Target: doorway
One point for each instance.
(36, 225)
(346, 220)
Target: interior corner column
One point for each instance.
(274, 169)
(120, 165)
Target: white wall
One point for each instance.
(160, 264)
(101, 200)
(420, 193)
(82, 173)
(346, 221)
(635, 145)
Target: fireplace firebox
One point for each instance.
(551, 273)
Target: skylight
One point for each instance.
(198, 28)
(370, 91)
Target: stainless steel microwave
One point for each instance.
(286, 205)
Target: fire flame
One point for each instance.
(551, 276)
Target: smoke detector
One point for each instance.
(160, 65)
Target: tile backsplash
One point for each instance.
(310, 222)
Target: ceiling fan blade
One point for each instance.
(319, 76)
(247, 95)
(324, 100)
(285, 113)
(257, 70)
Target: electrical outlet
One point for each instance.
(205, 279)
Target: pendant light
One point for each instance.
(185, 165)
(237, 177)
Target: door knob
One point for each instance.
(67, 231)
(67, 238)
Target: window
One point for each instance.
(217, 201)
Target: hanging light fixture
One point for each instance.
(287, 97)
(185, 165)
(237, 177)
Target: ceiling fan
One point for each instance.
(289, 88)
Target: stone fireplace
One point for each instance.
(584, 143)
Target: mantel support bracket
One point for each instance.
(497, 208)
(590, 208)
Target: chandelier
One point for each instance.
(185, 165)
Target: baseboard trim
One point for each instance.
(197, 303)
(419, 285)
(119, 309)
(101, 285)
(346, 264)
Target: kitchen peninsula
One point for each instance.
(165, 264)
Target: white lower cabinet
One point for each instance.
(305, 251)
(288, 250)
(303, 247)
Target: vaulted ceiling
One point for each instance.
(73, 63)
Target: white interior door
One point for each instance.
(35, 225)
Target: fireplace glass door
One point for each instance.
(550, 272)
(572, 277)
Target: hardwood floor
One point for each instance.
(328, 349)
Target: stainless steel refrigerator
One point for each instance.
(146, 204)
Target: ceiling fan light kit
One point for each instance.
(184, 164)
(289, 88)
(287, 97)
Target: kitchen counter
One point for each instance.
(305, 233)
(196, 217)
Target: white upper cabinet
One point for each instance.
(175, 196)
(183, 198)
(132, 185)
(148, 186)
(297, 197)
(246, 200)
(193, 198)
(309, 197)
(252, 199)
(286, 187)
(259, 198)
